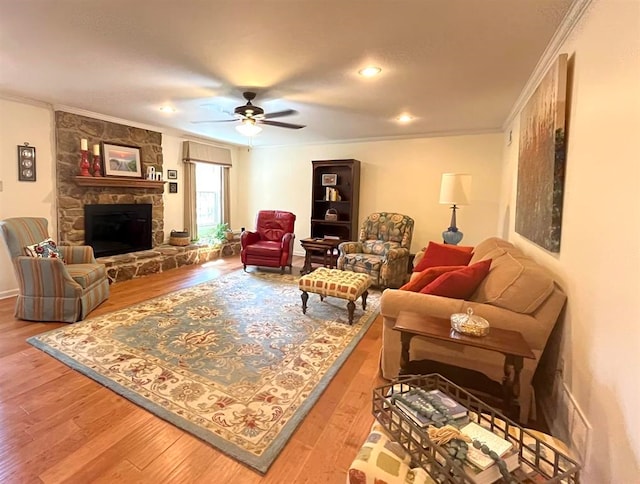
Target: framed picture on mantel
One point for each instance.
(121, 160)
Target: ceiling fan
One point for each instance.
(251, 116)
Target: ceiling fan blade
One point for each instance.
(214, 121)
(281, 124)
(280, 114)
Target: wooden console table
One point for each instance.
(324, 247)
(510, 343)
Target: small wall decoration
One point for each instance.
(329, 179)
(172, 174)
(121, 160)
(26, 162)
(173, 187)
(541, 160)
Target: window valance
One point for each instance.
(193, 151)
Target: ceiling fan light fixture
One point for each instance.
(248, 127)
(370, 71)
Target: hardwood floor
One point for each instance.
(57, 425)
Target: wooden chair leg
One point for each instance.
(351, 307)
(305, 298)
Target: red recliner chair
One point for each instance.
(271, 244)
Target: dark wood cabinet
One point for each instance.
(343, 176)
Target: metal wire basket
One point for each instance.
(539, 461)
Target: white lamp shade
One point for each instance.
(455, 188)
(248, 128)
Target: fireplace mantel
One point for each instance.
(91, 181)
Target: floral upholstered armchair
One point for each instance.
(382, 249)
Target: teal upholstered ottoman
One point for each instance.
(333, 282)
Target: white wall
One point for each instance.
(599, 260)
(173, 202)
(396, 176)
(20, 123)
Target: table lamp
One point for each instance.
(454, 191)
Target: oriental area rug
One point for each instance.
(233, 361)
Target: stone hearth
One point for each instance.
(162, 258)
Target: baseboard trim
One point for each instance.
(9, 293)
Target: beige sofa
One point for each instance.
(517, 294)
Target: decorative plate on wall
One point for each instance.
(26, 162)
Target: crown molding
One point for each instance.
(432, 134)
(210, 141)
(571, 19)
(164, 130)
(8, 96)
(105, 117)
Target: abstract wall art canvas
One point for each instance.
(541, 160)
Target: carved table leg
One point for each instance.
(511, 385)
(351, 306)
(306, 268)
(364, 299)
(305, 298)
(405, 339)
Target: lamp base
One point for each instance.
(452, 237)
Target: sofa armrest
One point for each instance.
(534, 331)
(77, 254)
(350, 248)
(247, 238)
(418, 257)
(395, 300)
(397, 253)
(287, 240)
(45, 277)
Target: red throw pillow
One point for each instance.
(461, 283)
(427, 276)
(444, 255)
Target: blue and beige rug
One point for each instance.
(233, 361)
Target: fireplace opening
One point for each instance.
(117, 228)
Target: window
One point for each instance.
(209, 196)
(206, 193)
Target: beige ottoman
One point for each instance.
(333, 282)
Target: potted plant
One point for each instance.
(220, 232)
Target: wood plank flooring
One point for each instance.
(57, 425)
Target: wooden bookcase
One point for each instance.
(347, 184)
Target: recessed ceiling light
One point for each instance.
(405, 118)
(167, 109)
(370, 71)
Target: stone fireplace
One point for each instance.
(73, 193)
(72, 197)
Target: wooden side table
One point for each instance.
(323, 247)
(510, 343)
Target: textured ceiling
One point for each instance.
(458, 66)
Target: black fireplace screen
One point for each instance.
(117, 228)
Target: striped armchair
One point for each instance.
(382, 249)
(50, 289)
